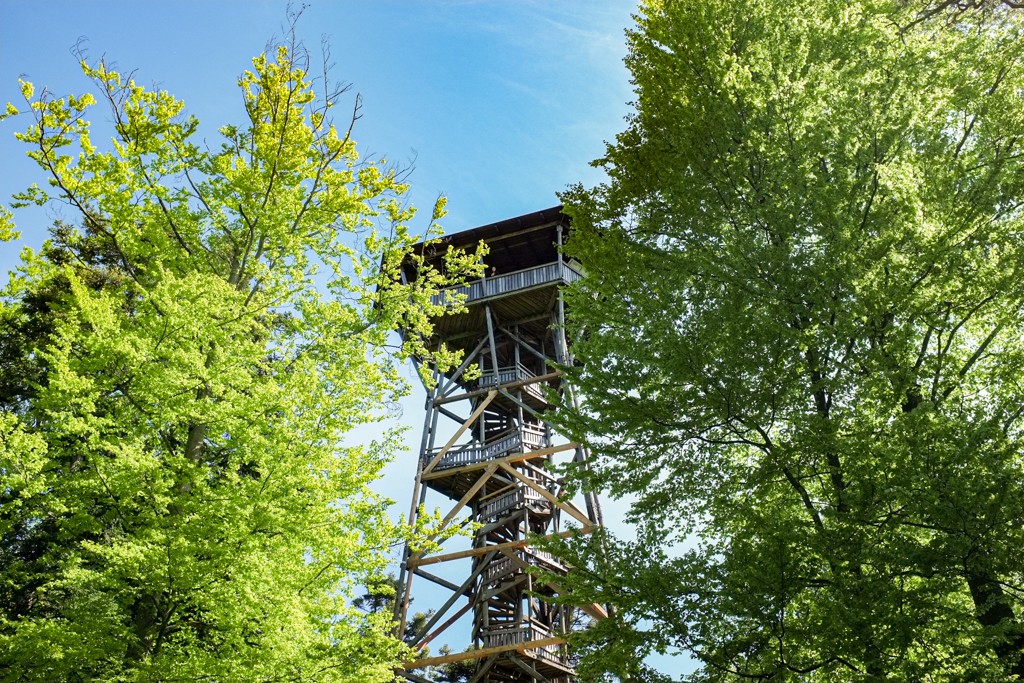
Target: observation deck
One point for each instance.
(524, 273)
(519, 283)
(521, 297)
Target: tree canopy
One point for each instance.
(182, 496)
(801, 334)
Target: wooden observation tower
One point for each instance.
(485, 457)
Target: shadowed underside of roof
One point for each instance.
(515, 243)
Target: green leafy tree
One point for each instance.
(379, 596)
(801, 335)
(181, 496)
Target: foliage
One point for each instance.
(801, 336)
(182, 496)
(379, 597)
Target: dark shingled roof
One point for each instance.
(515, 243)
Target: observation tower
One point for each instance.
(485, 457)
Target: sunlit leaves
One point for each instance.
(182, 494)
(800, 335)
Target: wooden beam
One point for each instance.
(466, 498)
(528, 455)
(511, 385)
(450, 415)
(564, 505)
(461, 591)
(416, 679)
(525, 344)
(481, 670)
(440, 629)
(488, 317)
(473, 552)
(436, 579)
(419, 493)
(519, 403)
(536, 675)
(462, 554)
(451, 381)
(490, 526)
(505, 488)
(461, 430)
(483, 652)
(540, 473)
(595, 610)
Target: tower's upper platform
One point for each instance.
(523, 270)
(516, 243)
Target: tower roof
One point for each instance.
(515, 243)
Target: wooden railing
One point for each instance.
(503, 566)
(516, 440)
(506, 283)
(504, 635)
(516, 499)
(509, 375)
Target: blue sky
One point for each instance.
(500, 103)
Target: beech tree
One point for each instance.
(801, 336)
(181, 495)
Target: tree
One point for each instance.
(181, 494)
(379, 597)
(801, 336)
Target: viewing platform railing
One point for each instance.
(499, 636)
(503, 566)
(516, 499)
(506, 283)
(516, 440)
(508, 375)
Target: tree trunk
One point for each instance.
(994, 611)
